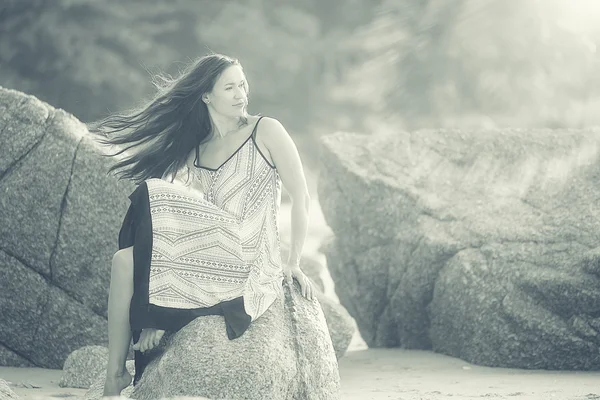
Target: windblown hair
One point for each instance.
(159, 136)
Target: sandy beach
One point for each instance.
(390, 374)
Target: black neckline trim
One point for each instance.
(224, 162)
(232, 155)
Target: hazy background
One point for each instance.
(321, 66)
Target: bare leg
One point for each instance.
(119, 331)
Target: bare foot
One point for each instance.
(114, 384)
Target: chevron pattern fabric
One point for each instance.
(215, 234)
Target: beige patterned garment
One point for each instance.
(216, 235)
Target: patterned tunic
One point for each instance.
(216, 234)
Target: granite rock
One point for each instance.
(478, 244)
(83, 365)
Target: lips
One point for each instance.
(239, 104)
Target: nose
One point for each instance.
(240, 94)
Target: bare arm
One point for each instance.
(287, 161)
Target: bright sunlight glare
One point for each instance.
(581, 15)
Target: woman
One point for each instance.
(201, 234)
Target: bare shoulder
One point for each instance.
(278, 144)
(284, 154)
(272, 139)
(270, 123)
(270, 130)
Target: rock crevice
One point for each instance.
(63, 205)
(15, 163)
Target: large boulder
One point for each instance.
(482, 245)
(285, 354)
(82, 366)
(60, 214)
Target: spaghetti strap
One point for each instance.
(255, 127)
(256, 145)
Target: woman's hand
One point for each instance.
(149, 339)
(293, 271)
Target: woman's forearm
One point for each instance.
(299, 227)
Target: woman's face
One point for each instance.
(229, 96)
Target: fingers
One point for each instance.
(137, 346)
(157, 336)
(306, 287)
(149, 339)
(141, 341)
(144, 338)
(309, 290)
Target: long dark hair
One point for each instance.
(164, 131)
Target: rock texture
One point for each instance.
(97, 387)
(285, 354)
(6, 393)
(339, 322)
(482, 245)
(9, 357)
(61, 213)
(83, 365)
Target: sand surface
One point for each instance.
(384, 374)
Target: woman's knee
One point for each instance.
(122, 261)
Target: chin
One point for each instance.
(236, 114)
